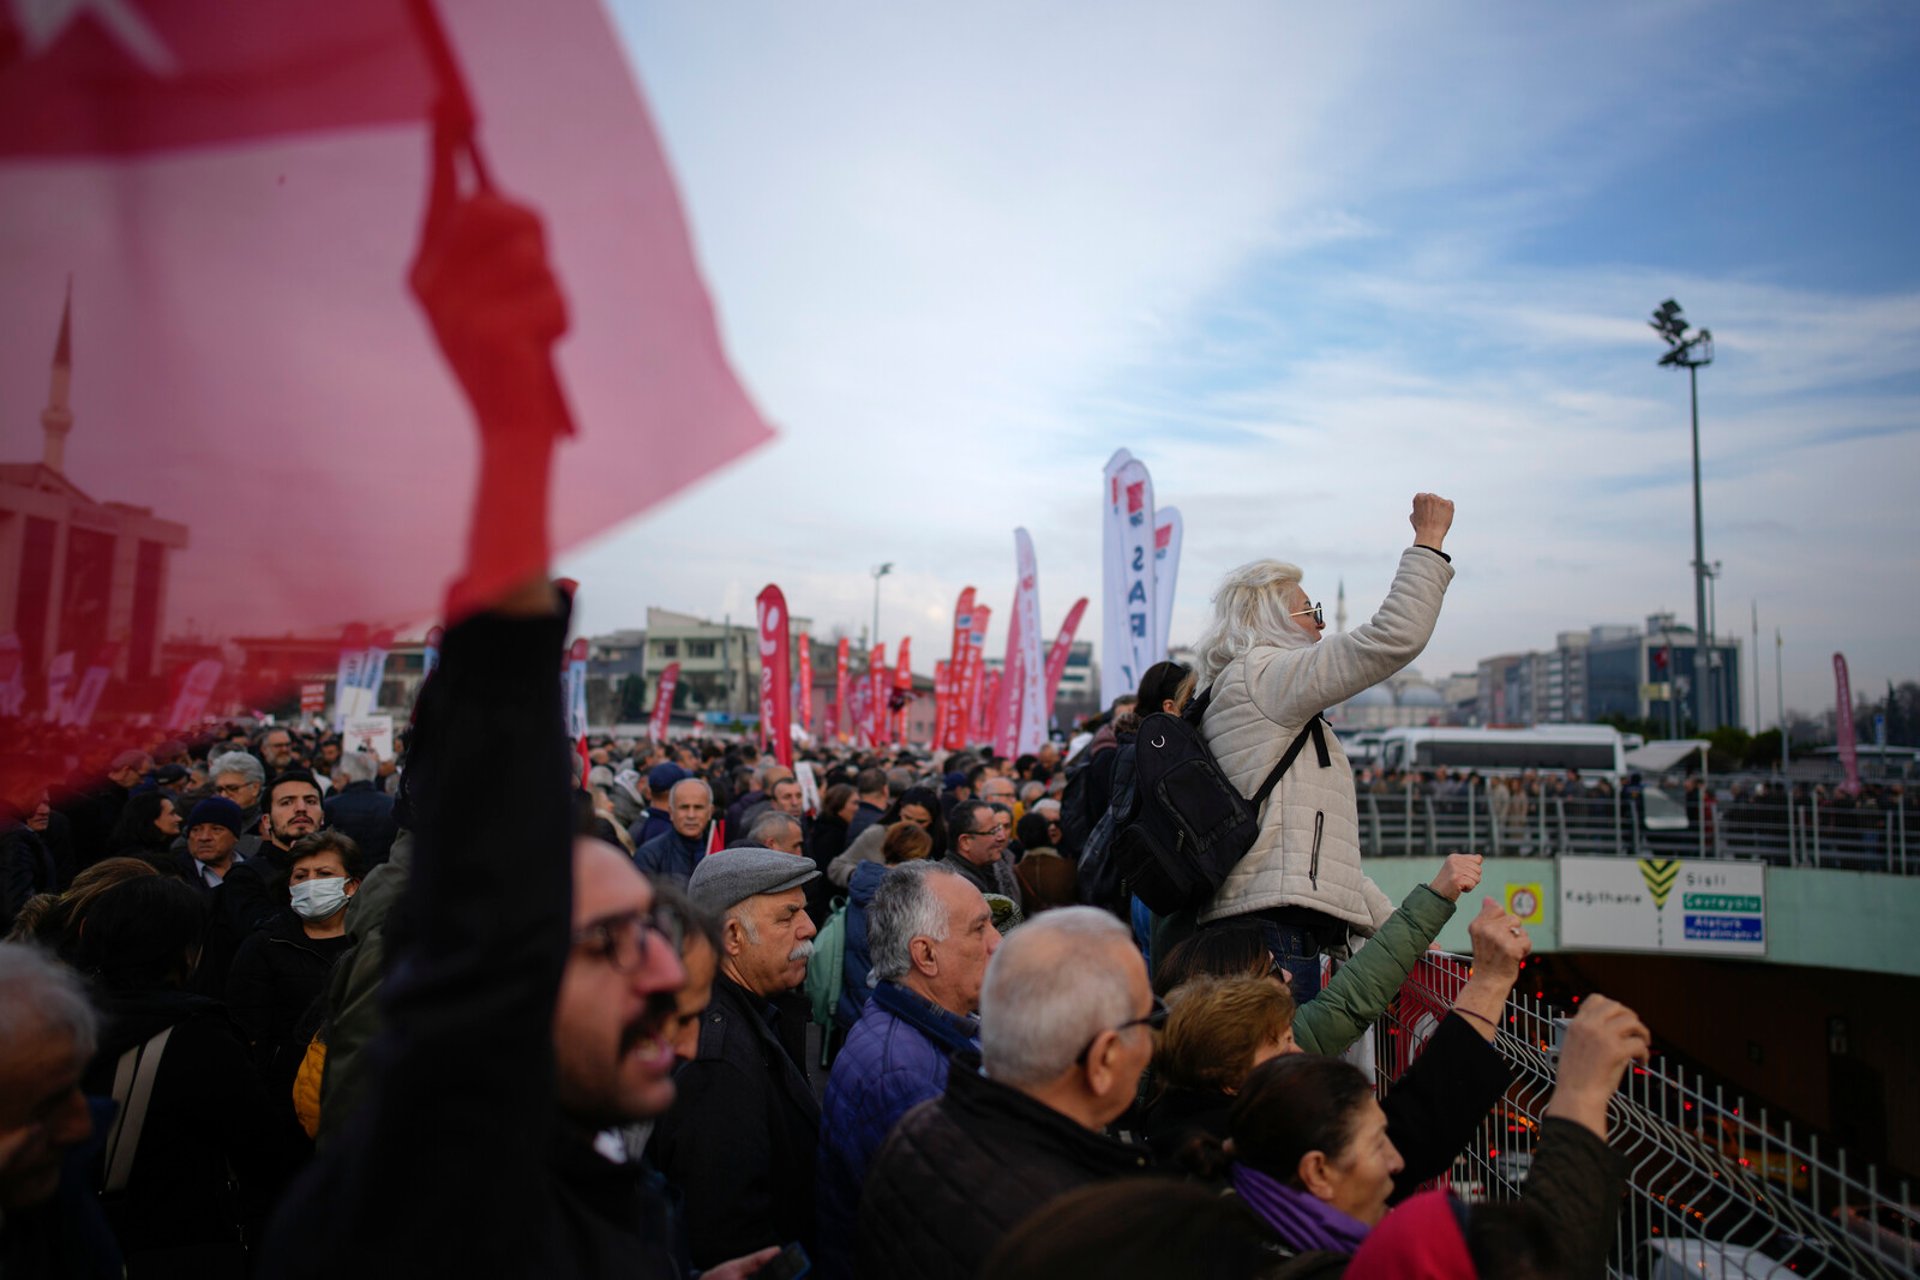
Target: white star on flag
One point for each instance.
(44, 21)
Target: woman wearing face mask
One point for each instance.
(280, 970)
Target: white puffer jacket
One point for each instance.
(1308, 851)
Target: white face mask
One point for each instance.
(318, 899)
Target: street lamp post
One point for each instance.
(879, 571)
(1689, 353)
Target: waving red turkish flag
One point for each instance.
(249, 431)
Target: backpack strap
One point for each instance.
(133, 1090)
(1312, 729)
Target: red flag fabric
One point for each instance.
(663, 702)
(236, 191)
(776, 674)
(1062, 646)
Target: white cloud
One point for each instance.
(961, 254)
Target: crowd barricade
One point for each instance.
(1789, 831)
(1714, 1187)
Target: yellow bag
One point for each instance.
(306, 1084)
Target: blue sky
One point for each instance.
(1304, 263)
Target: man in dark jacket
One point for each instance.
(1066, 1016)
(658, 819)
(673, 854)
(979, 850)
(930, 936)
(739, 1142)
(361, 810)
(871, 787)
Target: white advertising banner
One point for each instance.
(1688, 905)
(1129, 614)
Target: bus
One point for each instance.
(1592, 749)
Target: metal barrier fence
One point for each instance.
(1792, 832)
(1714, 1188)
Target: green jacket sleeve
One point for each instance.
(1360, 991)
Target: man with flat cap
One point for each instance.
(740, 1140)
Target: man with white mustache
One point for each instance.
(739, 1141)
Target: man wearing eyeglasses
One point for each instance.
(1067, 1022)
(979, 850)
(738, 1143)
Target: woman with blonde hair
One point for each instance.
(1268, 676)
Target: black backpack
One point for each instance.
(1188, 826)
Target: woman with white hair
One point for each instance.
(1269, 674)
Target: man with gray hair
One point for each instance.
(931, 935)
(49, 1225)
(360, 809)
(775, 830)
(739, 1140)
(673, 854)
(1066, 1019)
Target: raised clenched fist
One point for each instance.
(1432, 517)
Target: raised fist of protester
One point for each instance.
(1499, 945)
(1500, 941)
(1432, 517)
(482, 277)
(1458, 874)
(1594, 1052)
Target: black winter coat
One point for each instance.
(208, 1114)
(740, 1143)
(276, 977)
(962, 1171)
(1432, 1110)
(457, 1161)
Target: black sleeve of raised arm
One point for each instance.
(444, 1167)
(1441, 1099)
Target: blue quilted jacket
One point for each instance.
(894, 1059)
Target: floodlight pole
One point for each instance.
(1701, 654)
(1690, 353)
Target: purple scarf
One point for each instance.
(1302, 1220)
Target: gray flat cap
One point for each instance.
(734, 875)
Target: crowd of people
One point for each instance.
(624, 1052)
(502, 1007)
(565, 1029)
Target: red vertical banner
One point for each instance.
(1843, 725)
(990, 683)
(776, 674)
(806, 682)
(942, 700)
(972, 727)
(948, 730)
(663, 702)
(1062, 646)
(859, 724)
(877, 695)
(903, 684)
(839, 725)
